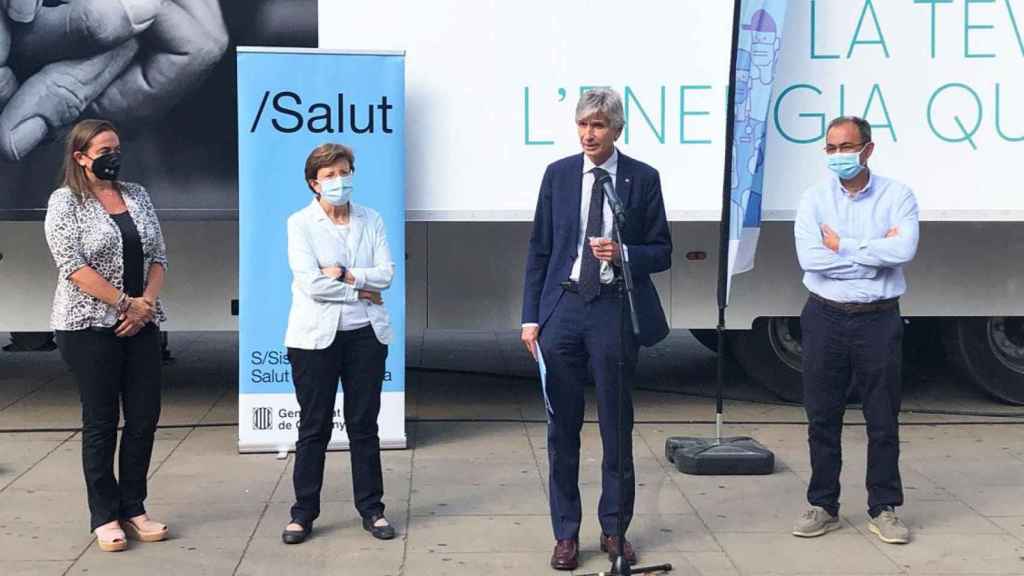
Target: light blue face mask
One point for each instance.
(337, 191)
(845, 165)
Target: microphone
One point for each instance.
(613, 199)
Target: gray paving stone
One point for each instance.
(434, 471)
(709, 563)
(959, 554)
(478, 501)
(746, 503)
(43, 526)
(517, 498)
(20, 452)
(481, 534)
(36, 567)
(991, 501)
(447, 564)
(484, 441)
(1013, 525)
(306, 559)
(182, 555)
(395, 466)
(664, 533)
(843, 552)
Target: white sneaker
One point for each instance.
(889, 528)
(815, 521)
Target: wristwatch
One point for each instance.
(341, 277)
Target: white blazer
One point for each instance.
(314, 243)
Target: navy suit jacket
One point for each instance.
(556, 228)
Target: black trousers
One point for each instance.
(110, 370)
(580, 343)
(357, 358)
(840, 350)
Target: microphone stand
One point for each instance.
(620, 566)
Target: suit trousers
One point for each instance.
(358, 359)
(843, 349)
(581, 343)
(112, 370)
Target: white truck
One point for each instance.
(491, 88)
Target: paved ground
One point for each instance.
(469, 494)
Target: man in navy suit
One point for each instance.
(572, 311)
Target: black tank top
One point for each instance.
(131, 244)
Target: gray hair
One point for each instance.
(862, 126)
(604, 102)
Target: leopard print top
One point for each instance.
(83, 234)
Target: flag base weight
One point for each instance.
(738, 455)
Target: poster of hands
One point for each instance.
(162, 70)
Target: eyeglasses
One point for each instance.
(845, 147)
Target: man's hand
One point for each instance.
(529, 338)
(73, 29)
(605, 250)
(185, 41)
(371, 297)
(85, 58)
(893, 232)
(829, 238)
(21, 11)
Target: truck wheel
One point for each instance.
(771, 353)
(990, 353)
(709, 338)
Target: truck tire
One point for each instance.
(707, 337)
(770, 353)
(990, 353)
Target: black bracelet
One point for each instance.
(344, 272)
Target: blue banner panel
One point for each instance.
(289, 102)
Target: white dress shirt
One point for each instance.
(610, 166)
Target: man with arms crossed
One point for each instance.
(854, 233)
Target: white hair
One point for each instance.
(603, 102)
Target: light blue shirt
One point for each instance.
(868, 266)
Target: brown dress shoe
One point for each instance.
(610, 544)
(566, 555)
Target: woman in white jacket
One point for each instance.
(338, 327)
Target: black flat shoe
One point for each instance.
(385, 532)
(296, 536)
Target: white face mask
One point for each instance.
(336, 191)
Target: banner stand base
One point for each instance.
(392, 444)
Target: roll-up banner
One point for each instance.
(289, 102)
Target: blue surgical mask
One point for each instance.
(845, 165)
(337, 191)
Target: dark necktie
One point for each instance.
(590, 267)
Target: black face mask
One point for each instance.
(108, 166)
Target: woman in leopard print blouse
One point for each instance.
(109, 251)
